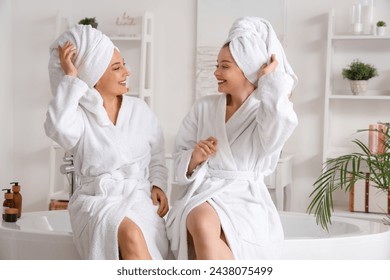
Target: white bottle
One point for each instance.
(368, 17)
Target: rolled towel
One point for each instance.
(252, 41)
(94, 51)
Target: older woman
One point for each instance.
(118, 149)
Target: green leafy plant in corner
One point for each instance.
(89, 21)
(342, 173)
(358, 70)
(381, 23)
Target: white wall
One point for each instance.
(6, 96)
(33, 30)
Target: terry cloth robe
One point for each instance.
(232, 182)
(116, 167)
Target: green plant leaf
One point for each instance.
(342, 173)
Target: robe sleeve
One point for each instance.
(158, 172)
(64, 122)
(276, 119)
(186, 140)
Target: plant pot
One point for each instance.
(358, 87)
(380, 30)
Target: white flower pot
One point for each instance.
(358, 87)
(380, 30)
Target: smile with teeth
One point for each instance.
(221, 82)
(123, 83)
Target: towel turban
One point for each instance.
(94, 51)
(252, 41)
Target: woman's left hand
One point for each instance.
(158, 196)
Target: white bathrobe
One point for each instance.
(232, 182)
(116, 166)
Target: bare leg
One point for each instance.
(205, 229)
(132, 244)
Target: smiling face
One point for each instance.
(231, 79)
(113, 81)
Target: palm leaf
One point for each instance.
(342, 173)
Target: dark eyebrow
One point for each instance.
(228, 61)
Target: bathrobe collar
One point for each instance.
(228, 132)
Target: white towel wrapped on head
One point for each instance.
(94, 51)
(252, 41)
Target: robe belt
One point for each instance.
(128, 171)
(232, 175)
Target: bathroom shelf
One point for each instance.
(345, 113)
(126, 38)
(359, 97)
(359, 37)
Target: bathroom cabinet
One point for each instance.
(345, 113)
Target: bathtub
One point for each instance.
(48, 235)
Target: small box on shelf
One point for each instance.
(58, 205)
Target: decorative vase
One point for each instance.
(358, 87)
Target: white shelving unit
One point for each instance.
(137, 50)
(345, 113)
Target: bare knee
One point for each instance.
(131, 241)
(203, 221)
(129, 232)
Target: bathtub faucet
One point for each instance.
(68, 170)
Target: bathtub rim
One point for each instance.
(335, 217)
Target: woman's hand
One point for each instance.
(266, 69)
(202, 151)
(66, 54)
(158, 196)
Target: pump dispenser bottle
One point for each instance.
(17, 197)
(8, 202)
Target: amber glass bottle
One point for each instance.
(17, 197)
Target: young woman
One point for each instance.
(225, 147)
(118, 150)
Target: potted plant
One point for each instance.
(358, 73)
(342, 173)
(89, 21)
(380, 27)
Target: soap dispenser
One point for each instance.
(17, 197)
(8, 202)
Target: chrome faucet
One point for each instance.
(68, 170)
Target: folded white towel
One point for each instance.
(252, 42)
(94, 53)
